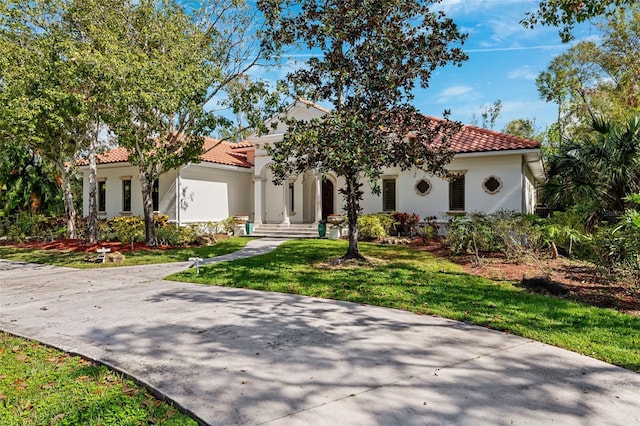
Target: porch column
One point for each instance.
(285, 207)
(318, 197)
(257, 199)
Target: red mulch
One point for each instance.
(80, 246)
(584, 281)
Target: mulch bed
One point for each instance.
(560, 277)
(80, 246)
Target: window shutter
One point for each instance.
(456, 194)
(126, 195)
(102, 196)
(155, 195)
(389, 195)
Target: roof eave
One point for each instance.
(499, 152)
(531, 156)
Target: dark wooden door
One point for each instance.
(327, 198)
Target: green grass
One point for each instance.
(415, 281)
(43, 386)
(139, 257)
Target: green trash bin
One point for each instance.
(322, 229)
(249, 228)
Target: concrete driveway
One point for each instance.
(234, 356)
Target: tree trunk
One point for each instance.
(67, 195)
(352, 197)
(151, 238)
(92, 220)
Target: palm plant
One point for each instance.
(596, 172)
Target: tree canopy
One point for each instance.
(155, 74)
(372, 54)
(597, 171)
(522, 127)
(44, 107)
(174, 68)
(594, 79)
(565, 14)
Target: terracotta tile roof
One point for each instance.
(239, 145)
(313, 105)
(469, 139)
(221, 152)
(215, 151)
(116, 155)
(477, 139)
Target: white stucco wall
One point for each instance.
(274, 199)
(213, 193)
(516, 194)
(114, 175)
(529, 191)
(207, 193)
(436, 203)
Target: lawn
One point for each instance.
(76, 259)
(43, 386)
(404, 278)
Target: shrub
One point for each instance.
(616, 247)
(175, 235)
(160, 220)
(404, 223)
(106, 231)
(512, 234)
(126, 228)
(371, 226)
(471, 234)
(27, 225)
(428, 230)
(228, 224)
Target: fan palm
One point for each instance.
(597, 172)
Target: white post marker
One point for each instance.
(102, 254)
(196, 262)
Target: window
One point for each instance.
(102, 195)
(126, 195)
(456, 193)
(155, 195)
(292, 203)
(388, 195)
(423, 187)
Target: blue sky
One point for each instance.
(504, 60)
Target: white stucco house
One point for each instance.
(497, 172)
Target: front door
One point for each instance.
(327, 198)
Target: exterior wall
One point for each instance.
(274, 199)
(207, 193)
(167, 201)
(529, 191)
(114, 175)
(516, 193)
(507, 168)
(204, 193)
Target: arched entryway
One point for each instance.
(327, 198)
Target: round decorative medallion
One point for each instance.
(492, 184)
(423, 187)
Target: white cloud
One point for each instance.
(522, 73)
(454, 93)
(454, 7)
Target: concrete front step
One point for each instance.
(290, 231)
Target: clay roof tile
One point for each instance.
(218, 152)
